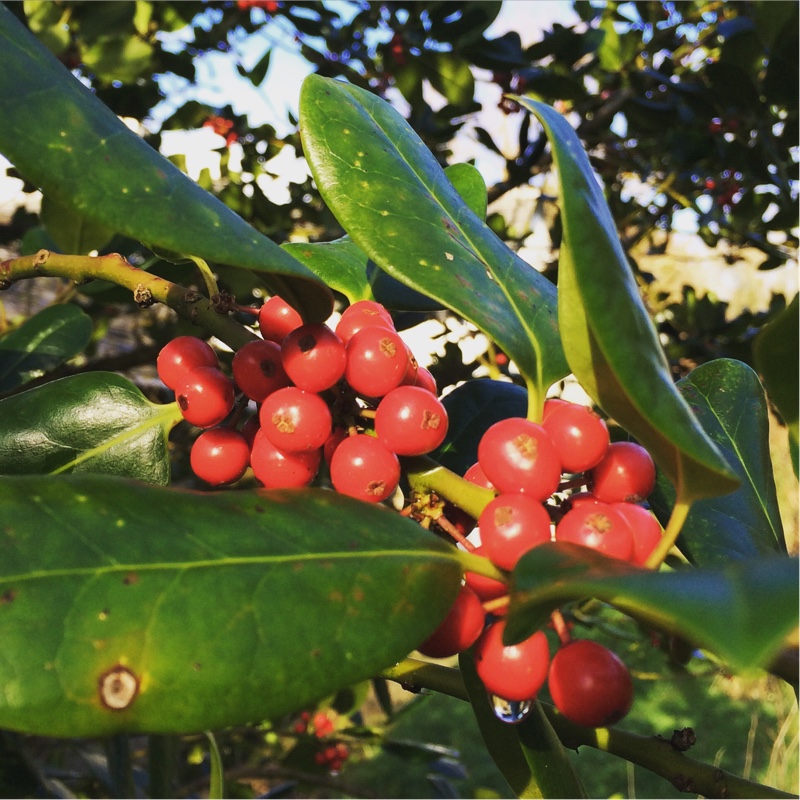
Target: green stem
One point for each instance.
(535, 402)
(120, 766)
(146, 288)
(481, 566)
(216, 788)
(651, 752)
(162, 754)
(424, 474)
(674, 525)
(208, 275)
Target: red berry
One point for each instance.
(363, 468)
(486, 588)
(475, 475)
(510, 526)
(277, 319)
(579, 435)
(258, 370)
(182, 355)
(516, 672)
(645, 528)
(278, 470)
(220, 456)
(410, 421)
(458, 630)
(516, 455)
(295, 421)
(599, 526)
(626, 473)
(425, 380)
(205, 396)
(323, 724)
(362, 314)
(250, 429)
(377, 361)
(313, 357)
(336, 437)
(589, 684)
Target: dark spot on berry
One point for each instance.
(307, 342)
(183, 402)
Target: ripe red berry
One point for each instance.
(182, 355)
(363, 468)
(362, 314)
(626, 473)
(205, 396)
(410, 421)
(516, 672)
(516, 455)
(220, 456)
(295, 421)
(425, 380)
(645, 528)
(579, 435)
(510, 526)
(278, 470)
(258, 370)
(599, 526)
(475, 475)
(313, 357)
(459, 629)
(589, 684)
(377, 361)
(277, 319)
(486, 588)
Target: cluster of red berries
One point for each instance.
(354, 395)
(561, 480)
(332, 754)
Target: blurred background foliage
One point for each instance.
(689, 114)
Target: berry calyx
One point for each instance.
(599, 526)
(377, 361)
(459, 629)
(363, 468)
(180, 356)
(294, 420)
(410, 421)
(220, 456)
(205, 396)
(589, 684)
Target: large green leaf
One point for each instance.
(742, 612)
(392, 197)
(727, 398)
(42, 343)
(66, 141)
(529, 754)
(611, 344)
(94, 422)
(196, 611)
(777, 357)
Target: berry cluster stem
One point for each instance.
(424, 474)
(678, 516)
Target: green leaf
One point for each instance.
(389, 193)
(72, 232)
(63, 139)
(777, 356)
(94, 422)
(42, 343)
(451, 76)
(742, 612)
(529, 754)
(194, 611)
(727, 398)
(611, 344)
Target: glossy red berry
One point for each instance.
(599, 526)
(205, 396)
(276, 469)
(182, 355)
(363, 468)
(475, 475)
(626, 473)
(377, 361)
(425, 380)
(459, 630)
(645, 528)
(579, 435)
(362, 314)
(410, 421)
(220, 456)
(486, 588)
(516, 672)
(313, 357)
(294, 420)
(258, 369)
(589, 684)
(510, 526)
(516, 455)
(277, 319)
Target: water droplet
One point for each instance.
(510, 711)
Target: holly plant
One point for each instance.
(349, 523)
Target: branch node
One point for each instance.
(683, 739)
(223, 302)
(192, 296)
(142, 296)
(41, 258)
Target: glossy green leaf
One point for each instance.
(42, 343)
(94, 422)
(72, 232)
(727, 397)
(391, 196)
(529, 754)
(63, 139)
(742, 611)
(451, 76)
(777, 356)
(611, 344)
(190, 611)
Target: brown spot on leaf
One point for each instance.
(118, 688)
(8, 596)
(130, 579)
